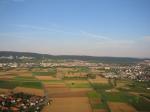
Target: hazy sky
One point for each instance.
(80, 27)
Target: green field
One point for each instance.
(21, 78)
(124, 95)
(53, 81)
(28, 84)
(75, 78)
(8, 84)
(51, 72)
(93, 95)
(139, 86)
(101, 87)
(41, 73)
(12, 84)
(138, 102)
(78, 85)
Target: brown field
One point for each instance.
(7, 73)
(4, 91)
(81, 89)
(121, 107)
(64, 69)
(17, 70)
(94, 101)
(55, 91)
(3, 73)
(24, 74)
(71, 104)
(18, 73)
(61, 90)
(76, 81)
(38, 92)
(45, 78)
(7, 77)
(54, 85)
(55, 88)
(99, 79)
(39, 69)
(75, 74)
(69, 94)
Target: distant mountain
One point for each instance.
(19, 54)
(71, 57)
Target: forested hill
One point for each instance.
(71, 57)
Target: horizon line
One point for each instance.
(76, 55)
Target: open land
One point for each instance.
(69, 90)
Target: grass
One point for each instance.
(12, 84)
(123, 96)
(139, 86)
(146, 96)
(28, 84)
(99, 87)
(76, 69)
(53, 81)
(75, 78)
(117, 97)
(138, 102)
(93, 94)
(8, 84)
(21, 78)
(81, 69)
(78, 85)
(99, 106)
(41, 73)
(52, 71)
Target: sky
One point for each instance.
(119, 28)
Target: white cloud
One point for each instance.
(85, 43)
(47, 29)
(94, 36)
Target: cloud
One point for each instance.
(85, 37)
(109, 41)
(94, 36)
(53, 29)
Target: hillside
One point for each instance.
(71, 57)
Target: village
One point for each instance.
(47, 85)
(137, 71)
(21, 102)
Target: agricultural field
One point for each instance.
(133, 101)
(121, 107)
(67, 86)
(77, 72)
(69, 104)
(96, 102)
(69, 95)
(77, 84)
(19, 78)
(99, 79)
